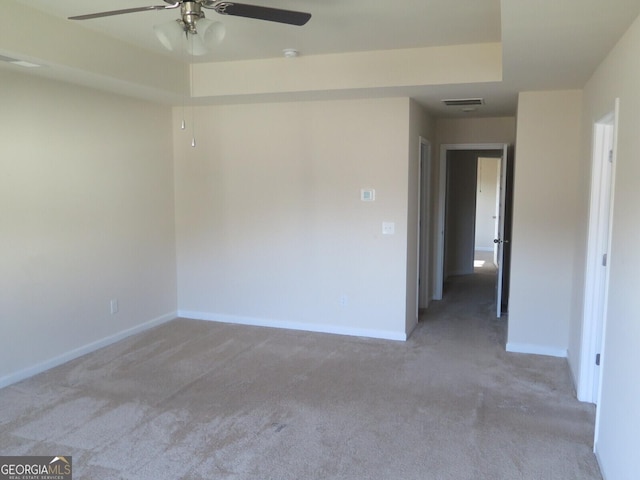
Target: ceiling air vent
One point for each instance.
(463, 102)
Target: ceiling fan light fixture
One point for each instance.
(207, 34)
(212, 33)
(195, 45)
(170, 34)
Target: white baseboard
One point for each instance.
(599, 460)
(573, 371)
(78, 352)
(307, 327)
(536, 350)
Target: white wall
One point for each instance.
(460, 212)
(476, 130)
(270, 226)
(617, 437)
(546, 210)
(486, 203)
(420, 125)
(86, 202)
(373, 74)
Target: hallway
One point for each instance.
(468, 305)
(520, 410)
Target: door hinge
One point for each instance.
(604, 260)
(610, 156)
(598, 359)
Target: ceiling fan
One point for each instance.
(192, 20)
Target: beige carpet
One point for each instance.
(200, 400)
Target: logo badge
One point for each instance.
(36, 468)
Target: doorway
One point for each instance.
(455, 239)
(487, 209)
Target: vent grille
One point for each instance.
(463, 102)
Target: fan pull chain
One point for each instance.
(193, 126)
(183, 124)
(193, 123)
(184, 101)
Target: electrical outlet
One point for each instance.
(113, 305)
(344, 300)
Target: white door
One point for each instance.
(597, 261)
(604, 227)
(500, 240)
(419, 229)
(496, 216)
(596, 271)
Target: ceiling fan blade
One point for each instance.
(126, 10)
(261, 13)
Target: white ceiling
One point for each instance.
(547, 44)
(336, 25)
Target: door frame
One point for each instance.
(596, 290)
(438, 274)
(500, 240)
(424, 224)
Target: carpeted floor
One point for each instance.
(201, 400)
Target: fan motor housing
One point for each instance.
(191, 12)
